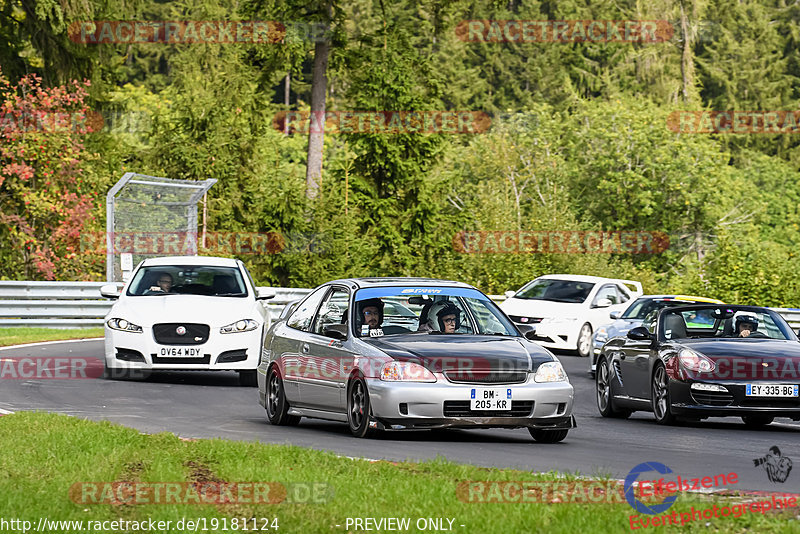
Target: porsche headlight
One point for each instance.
(695, 362)
(243, 325)
(406, 371)
(123, 326)
(550, 372)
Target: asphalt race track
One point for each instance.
(207, 404)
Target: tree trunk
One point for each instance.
(316, 131)
(286, 89)
(687, 63)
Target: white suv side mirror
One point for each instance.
(603, 303)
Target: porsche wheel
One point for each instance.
(605, 399)
(661, 402)
(757, 421)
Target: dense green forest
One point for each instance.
(579, 140)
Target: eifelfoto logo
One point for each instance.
(630, 495)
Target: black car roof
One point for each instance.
(398, 281)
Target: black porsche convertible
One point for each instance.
(702, 361)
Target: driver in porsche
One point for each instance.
(746, 325)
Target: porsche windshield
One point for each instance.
(642, 307)
(188, 280)
(388, 311)
(723, 322)
(556, 290)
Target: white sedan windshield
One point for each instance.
(188, 280)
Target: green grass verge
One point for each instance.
(44, 455)
(19, 336)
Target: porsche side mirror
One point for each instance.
(615, 314)
(602, 303)
(640, 333)
(110, 291)
(510, 294)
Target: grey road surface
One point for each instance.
(207, 404)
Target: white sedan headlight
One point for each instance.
(123, 325)
(550, 372)
(243, 325)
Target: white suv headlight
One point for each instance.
(123, 326)
(243, 325)
(550, 372)
(559, 319)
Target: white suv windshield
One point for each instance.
(556, 291)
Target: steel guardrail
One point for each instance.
(79, 304)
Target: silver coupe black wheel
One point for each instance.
(358, 408)
(276, 404)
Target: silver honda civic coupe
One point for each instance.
(410, 353)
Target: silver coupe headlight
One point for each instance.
(550, 372)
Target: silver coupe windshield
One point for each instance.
(427, 310)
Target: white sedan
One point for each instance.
(566, 309)
(185, 313)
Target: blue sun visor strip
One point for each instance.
(410, 291)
